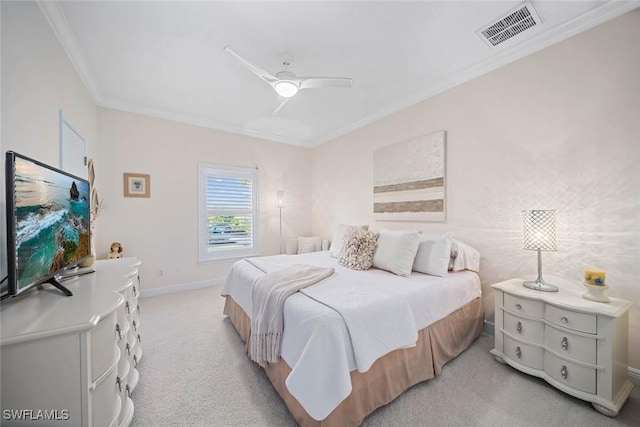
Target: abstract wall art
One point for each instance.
(409, 180)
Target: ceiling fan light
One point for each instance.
(286, 89)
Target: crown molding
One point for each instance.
(612, 9)
(206, 123)
(588, 20)
(60, 26)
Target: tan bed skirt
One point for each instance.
(390, 375)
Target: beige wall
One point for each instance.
(559, 129)
(162, 230)
(37, 81)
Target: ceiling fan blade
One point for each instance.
(281, 102)
(258, 71)
(315, 82)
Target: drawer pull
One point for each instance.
(135, 326)
(119, 383)
(519, 327)
(135, 291)
(118, 331)
(518, 353)
(138, 279)
(563, 319)
(564, 372)
(565, 343)
(138, 307)
(128, 349)
(128, 391)
(128, 307)
(135, 361)
(139, 339)
(518, 306)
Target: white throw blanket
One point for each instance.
(378, 321)
(269, 294)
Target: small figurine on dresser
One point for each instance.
(116, 251)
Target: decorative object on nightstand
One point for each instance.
(576, 345)
(595, 284)
(280, 203)
(539, 227)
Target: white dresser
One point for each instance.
(72, 361)
(576, 345)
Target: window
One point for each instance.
(228, 212)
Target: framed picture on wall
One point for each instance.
(137, 185)
(409, 180)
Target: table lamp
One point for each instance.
(539, 228)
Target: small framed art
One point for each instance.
(136, 185)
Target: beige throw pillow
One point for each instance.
(358, 248)
(338, 238)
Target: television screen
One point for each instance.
(48, 222)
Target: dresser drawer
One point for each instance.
(528, 355)
(525, 329)
(575, 376)
(569, 319)
(523, 306)
(104, 350)
(568, 345)
(105, 400)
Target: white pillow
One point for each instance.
(396, 251)
(434, 253)
(464, 257)
(309, 244)
(338, 238)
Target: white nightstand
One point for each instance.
(576, 345)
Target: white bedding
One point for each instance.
(316, 342)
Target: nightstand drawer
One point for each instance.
(575, 376)
(528, 355)
(525, 329)
(568, 345)
(571, 320)
(524, 306)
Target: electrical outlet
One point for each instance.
(161, 272)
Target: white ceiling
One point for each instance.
(166, 59)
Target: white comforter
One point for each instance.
(317, 344)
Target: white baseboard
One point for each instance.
(489, 328)
(181, 287)
(634, 376)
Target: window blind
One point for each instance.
(230, 211)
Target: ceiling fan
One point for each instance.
(287, 84)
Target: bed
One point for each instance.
(319, 376)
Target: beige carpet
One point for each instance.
(195, 373)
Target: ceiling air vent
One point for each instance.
(511, 24)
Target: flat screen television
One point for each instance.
(48, 223)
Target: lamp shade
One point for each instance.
(539, 227)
